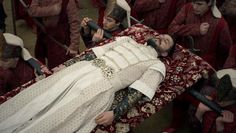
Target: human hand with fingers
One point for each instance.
(204, 27)
(202, 108)
(105, 118)
(57, 7)
(84, 24)
(227, 117)
(98, 36)
(71, 52)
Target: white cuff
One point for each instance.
(143, 88)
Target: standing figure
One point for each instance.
(223, 92)
(16, 64)
(202, 20)
(157, 14)
(60, 20)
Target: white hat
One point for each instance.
(215, 11)
(123, 4)
(17, 41)
(231, 72)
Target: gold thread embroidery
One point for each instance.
(108, 72)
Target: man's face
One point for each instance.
(109, 23)
(163, 43)
(8, 63)
(200, 7)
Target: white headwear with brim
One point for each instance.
(215, 11)
(123, 4)
(17, 41)
(231, 72)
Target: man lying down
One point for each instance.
(79, 97)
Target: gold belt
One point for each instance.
(107, 71)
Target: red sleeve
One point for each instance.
(178, 25)
(37, 10)
(208, 122)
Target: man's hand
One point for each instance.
(71, 52)
(201, 109)
(204, 28)
(45, 69)
(57, 7)
(98, 36)
(105, 118)
(227, 117)
(84, 24)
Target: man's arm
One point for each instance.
(227, 117)
(73, 20)
(145, 86)
(37, 10)
(123, 107)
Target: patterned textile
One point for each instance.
(183, 71)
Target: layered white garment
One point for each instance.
(70, 100)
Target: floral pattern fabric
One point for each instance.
(183, 70)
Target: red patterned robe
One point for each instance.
(214, 45)
(157, 15)
(64, 27)
(12, 78)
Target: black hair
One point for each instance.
(172, 49)
(118, 14)
(11, 51)
(151, 42)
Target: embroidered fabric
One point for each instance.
(127, 103)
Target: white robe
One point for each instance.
(70, 100)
